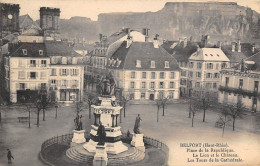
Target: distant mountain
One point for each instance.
(224, 21)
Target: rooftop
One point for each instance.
(209, 54)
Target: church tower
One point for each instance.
(49, 20)
(9, 18)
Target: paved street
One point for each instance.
(174, 128)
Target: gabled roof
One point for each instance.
(145, 52)
(236, 57)
(26, 22)
(209, 54)
(31, 48)
(58, 48)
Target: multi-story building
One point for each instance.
(52, 66)
(240, 84)
(144, 71)
(204, 67)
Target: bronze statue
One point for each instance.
(106, 85)
(137, 124)
(101, 133)
(78, 123)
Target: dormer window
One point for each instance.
(166, 64)
(24, 51)
(152, 64)
(40, 52)
(74, 60)
(64, 60)
(138, 63)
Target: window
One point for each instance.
(216, 75)
(63, 72)
(33, 75)
(256, 86)
(191, 64)
(172, 75)
(198, 74)
(153, 75)
(43, 62)
(64, 82)
(166, 64)
(33, 63)
(40, 52)
(161, 85)
(199, 65)
(183, 73)
(64, 60)
(183, 82)
(152, 85)
(161, 74)
(24, 51)
(191, 74)
(21, 63)
(210, 66)
(143, 74)
(142, 95)
(227, 81)
(208, 75)
(21, 75)
(197, 85)
(74, 83)
(53, 72)
(132, 85)
(74, 72)
(215, 85)
(208, 85)
(53, 82)
(22, 86)
(143, 84)
(223, 65)
(43, 85)
(152, 64)
(43, 75)
(171, 95)
(132, 74)
(171, 84)
(240, 83)
(138, 63)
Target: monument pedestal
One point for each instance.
(137, 140)
(78, 137)
(100, 158)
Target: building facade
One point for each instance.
(145, 71)
(51, 66)
(204, 69)
(240, 84)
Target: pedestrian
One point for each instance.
(9, 156)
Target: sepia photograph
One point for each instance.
(129, 83)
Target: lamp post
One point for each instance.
(56, 107)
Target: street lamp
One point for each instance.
(56, 107)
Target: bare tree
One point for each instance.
(42, 103)
(124, 101)
(164, 104)
(194, 108)
(91, 98)
(235, 111)
(158, 105)
(224, 118)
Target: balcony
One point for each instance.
(239, 91)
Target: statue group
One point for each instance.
(78, 123)
(137, 124)
(106, 86)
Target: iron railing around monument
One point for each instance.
(126, 138)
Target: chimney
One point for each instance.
(238, 46)
(155, 41)
(185, 42)
(253, 48)
(233, 46)
(219, 44)
(146, 33)
(129, 41)
(127, 30)
(191, 39)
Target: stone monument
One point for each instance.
(137, 140)
(78, 133)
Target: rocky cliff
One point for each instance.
(225, 21)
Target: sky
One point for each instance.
(91, 8)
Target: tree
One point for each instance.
(164, 104)
(91, 99)
(194, 108)
(158, 105)
(224, 118)
(124, 101)
(235, 110)
(42, 102)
